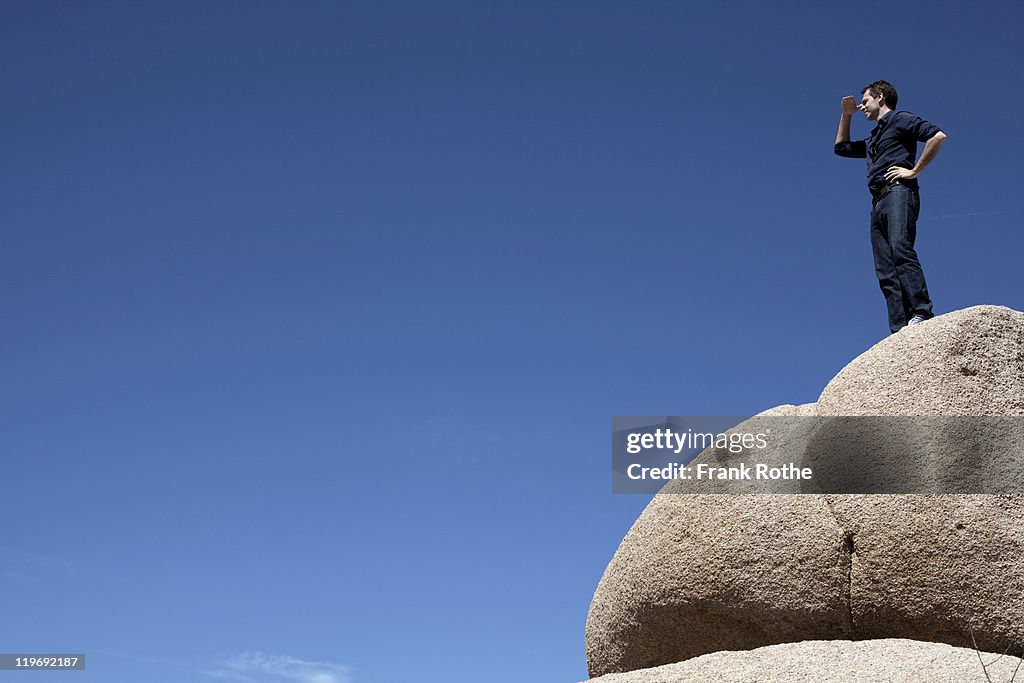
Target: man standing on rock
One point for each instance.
(895, 203)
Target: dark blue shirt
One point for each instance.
(893, 142)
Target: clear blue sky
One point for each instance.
(316, 314)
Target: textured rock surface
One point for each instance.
(700, 574)
(936, 567)
(925, 566)
(968, 362)
(838, 661)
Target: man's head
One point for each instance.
(877, 99)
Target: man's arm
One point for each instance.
(931, 148)
(845, 148)
(847, 106)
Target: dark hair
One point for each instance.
(885, 89)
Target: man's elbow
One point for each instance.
(939, 137)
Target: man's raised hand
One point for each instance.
(849, 105)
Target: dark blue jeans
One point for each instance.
(893, 231)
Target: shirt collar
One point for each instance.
(883, 122)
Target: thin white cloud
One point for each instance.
(256, 667)
(22, 566)
(962, 215)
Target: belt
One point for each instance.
(877, 195)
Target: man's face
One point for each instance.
(871, 105)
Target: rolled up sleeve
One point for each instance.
(856, 149)
(919, 128)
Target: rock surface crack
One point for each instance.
(848, 550)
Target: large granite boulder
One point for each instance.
(968, 362)
(937, 567)
(698, 574)
(701, 573)
(837, 661)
